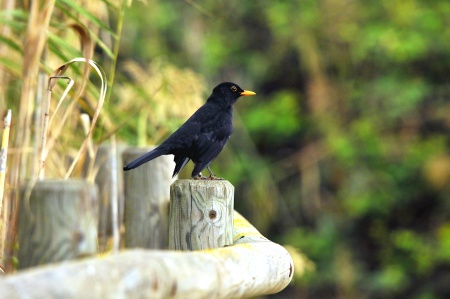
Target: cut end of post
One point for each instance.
(205, 183)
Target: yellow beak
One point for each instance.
(248, 93)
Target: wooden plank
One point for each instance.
(57, 221)
(147, 193)
(253, 266)
(201, 214)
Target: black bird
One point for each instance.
(202, 137)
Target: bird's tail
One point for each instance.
(143, 159)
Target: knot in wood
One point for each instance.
(212, 214)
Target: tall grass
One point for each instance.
(33, 41)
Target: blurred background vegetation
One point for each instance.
(343, 155)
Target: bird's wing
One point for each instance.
(209, 144)
(178, 144)
(205, 120)
(216, 128)
(181, 140)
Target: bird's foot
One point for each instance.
(213, 177)
(200, 177)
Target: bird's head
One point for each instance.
(228, 93)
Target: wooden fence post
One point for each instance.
(105, 183)
(57, 221)
(201, 214)
(147, 192)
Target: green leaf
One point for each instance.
(11, 43)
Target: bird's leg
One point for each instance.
(211, 175)
(199, 177)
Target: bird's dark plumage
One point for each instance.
(202, 137)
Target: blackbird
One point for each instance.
(202, 137)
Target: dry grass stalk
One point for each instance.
(47, 123)
(114, 196)
(103, 88)
(101, 99)
(86, 124)
(35, 38)
(34, 41)
(4, 155)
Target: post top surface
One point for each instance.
(205, 183)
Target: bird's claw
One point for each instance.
(211, 177)
(200, 177)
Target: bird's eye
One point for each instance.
(234, 88)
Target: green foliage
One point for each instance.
(277, 119)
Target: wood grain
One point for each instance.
(57, 222)
(147, 193)
(201, 214)
(105, 183)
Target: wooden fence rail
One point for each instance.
(252, 266)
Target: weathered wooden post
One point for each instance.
(201, 214)
(57, 221)
(105, 183)
(147, 192)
